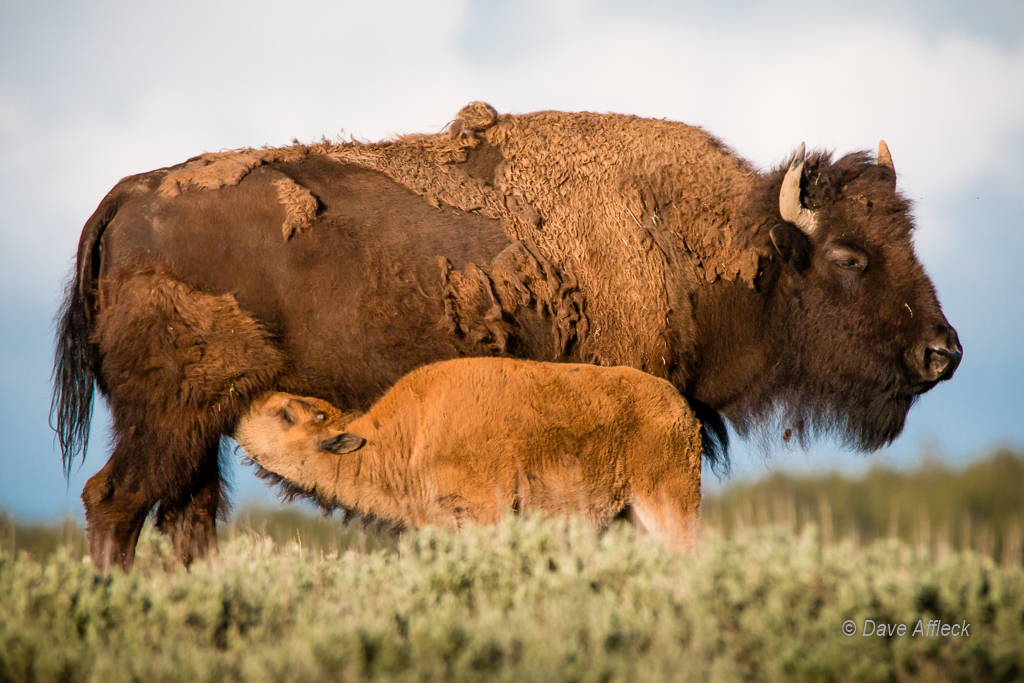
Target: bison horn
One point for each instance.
(885, 159)
(790, 207)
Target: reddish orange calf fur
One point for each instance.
(468, 440)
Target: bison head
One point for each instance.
(295, 440)
(857, 333)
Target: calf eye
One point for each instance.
(320, 417)
(285, 416)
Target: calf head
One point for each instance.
(286, 434)
(859, 329)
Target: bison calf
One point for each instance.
(466, 440)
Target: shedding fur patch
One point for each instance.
(222, 169)
(523, 278)
(565, 183)
(477, 304)
(300, 206)
(209, 172)
(617, 181)
(471, 308)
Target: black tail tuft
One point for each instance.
(714, 438)
(74, 374)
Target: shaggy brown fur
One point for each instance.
(196, 361)
(468, 440)
(591, 188)
(224, 169)
(478, 306)
(614, 178)
(220, 169)
(300, 206)
(546, 236)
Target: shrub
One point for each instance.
(530, 599)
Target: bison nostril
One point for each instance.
(936, 361)
(942, 356)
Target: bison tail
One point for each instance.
(74, 359)
(73, 378)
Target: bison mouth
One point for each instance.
(920, 388)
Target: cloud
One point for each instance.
(78, 112)
(90, 92)
(232, 75)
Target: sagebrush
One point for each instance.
(527, 600)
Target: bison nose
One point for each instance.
(940, 356)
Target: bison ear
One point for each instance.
(793, 245)
(342, 443)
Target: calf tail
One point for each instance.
(75, 360)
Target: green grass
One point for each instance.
(980, 507)
(528, 600)
(782, 564)
(977, 508)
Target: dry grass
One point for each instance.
(936, 508)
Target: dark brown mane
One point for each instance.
(857, 175)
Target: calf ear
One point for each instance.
(342, 443)
(793, 245)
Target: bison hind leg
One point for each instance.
(116, 504)
(191, 524)
(179, 367)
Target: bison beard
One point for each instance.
(790, 299)
(862, 418)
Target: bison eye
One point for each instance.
(286, 417)
(320, 417)
(848, 258)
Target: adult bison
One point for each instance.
(789, 298)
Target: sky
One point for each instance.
(92, 92)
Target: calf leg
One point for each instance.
(670, 512)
